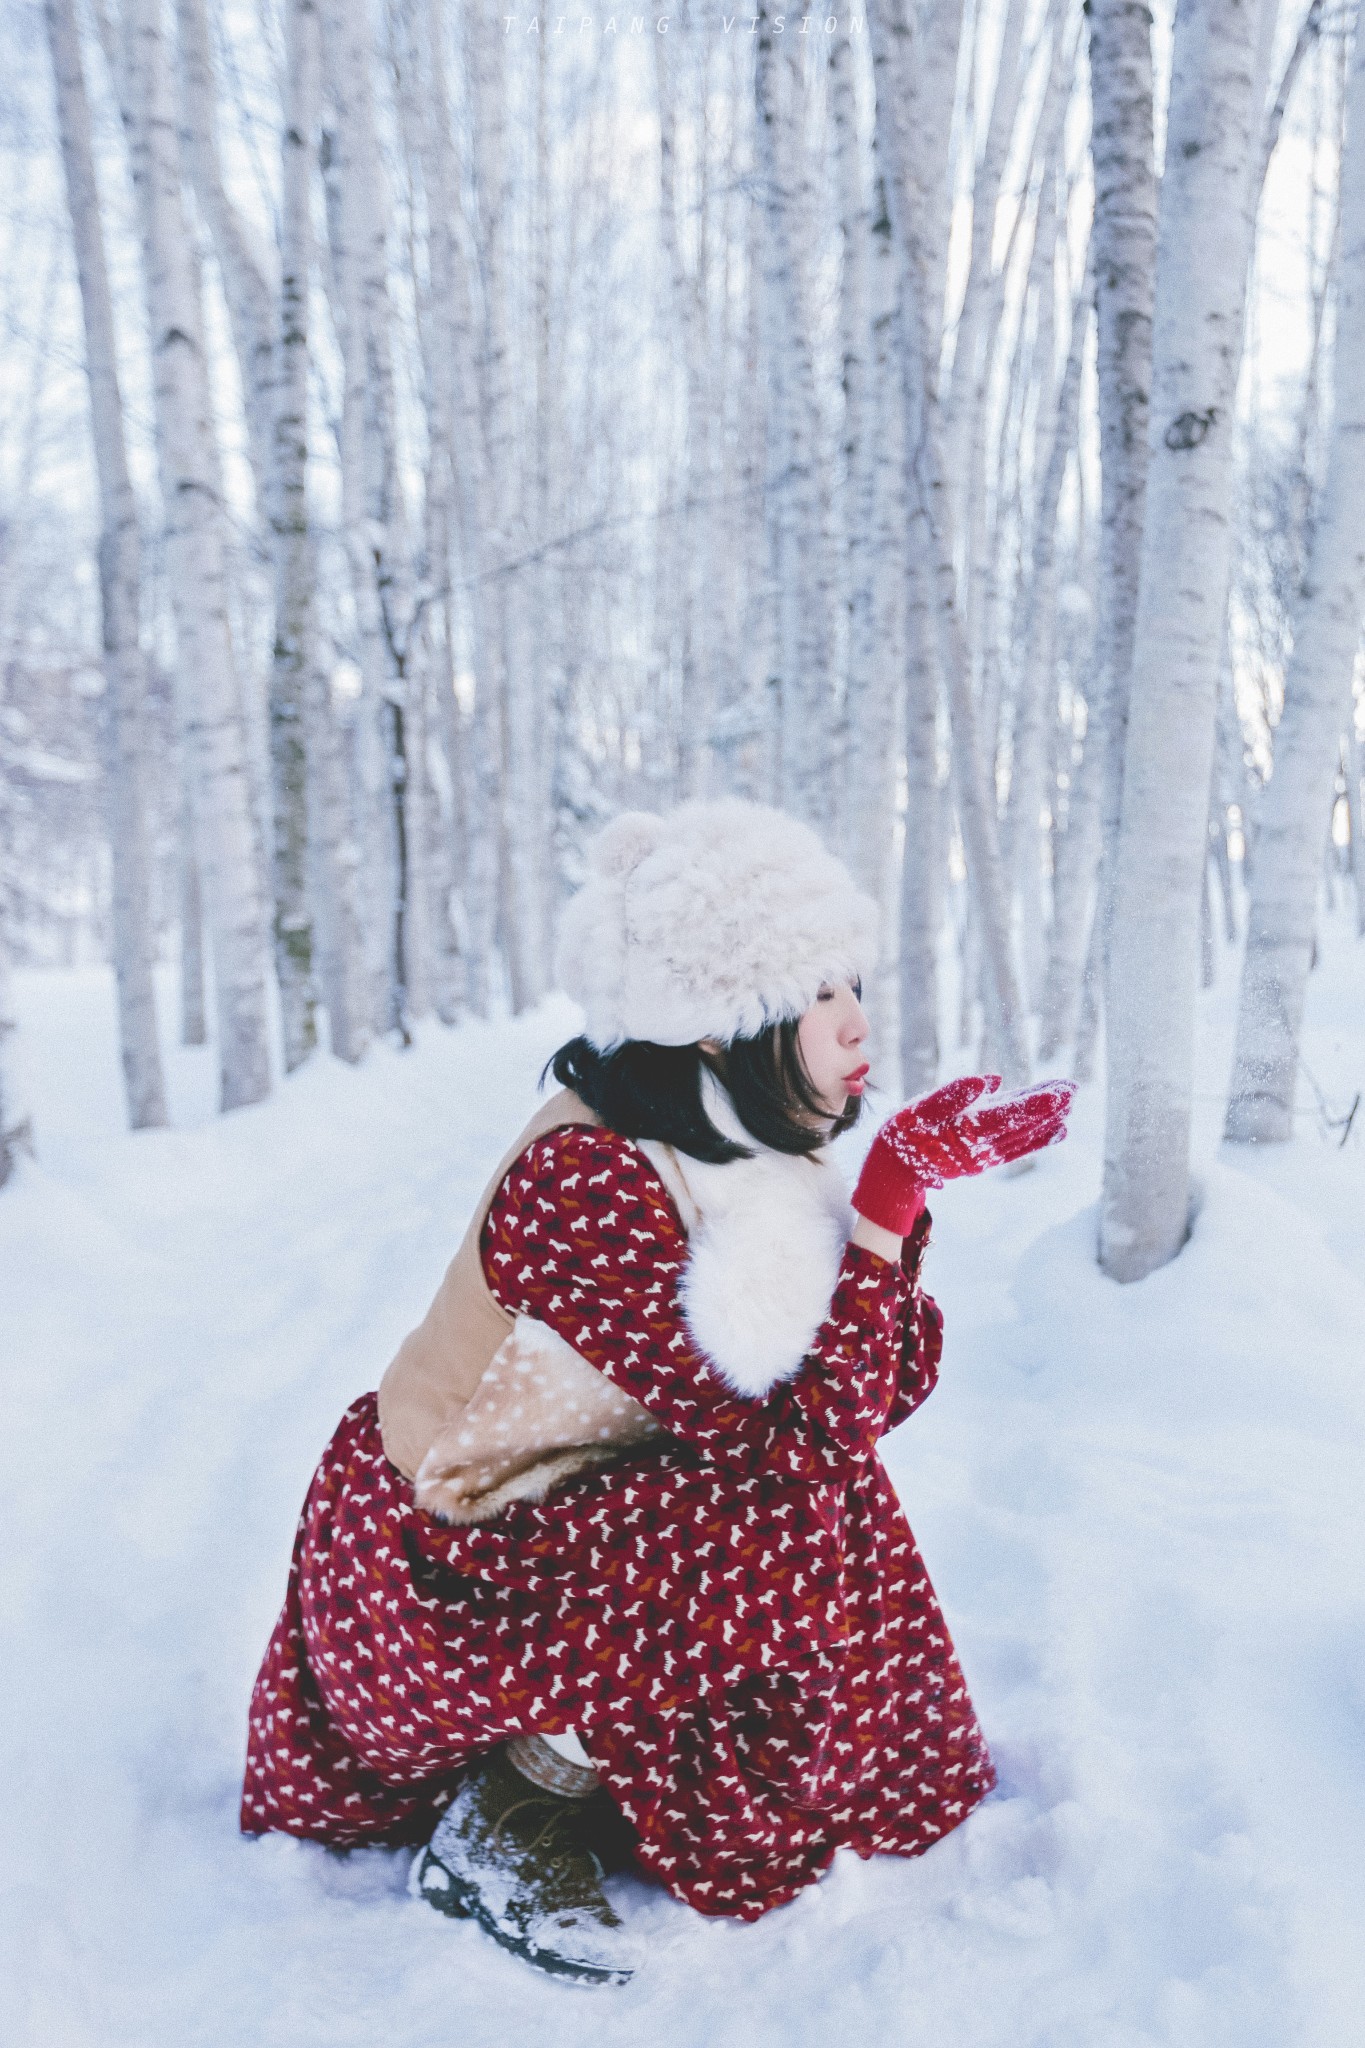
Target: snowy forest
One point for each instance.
(489, 422)
(428, 430)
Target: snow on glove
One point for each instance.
(951, 1132)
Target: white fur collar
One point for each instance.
(765, 1239)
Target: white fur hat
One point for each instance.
(711, 921)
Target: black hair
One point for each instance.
(642, 1090)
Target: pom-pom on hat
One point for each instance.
(714, 920)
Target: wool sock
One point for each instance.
(542, 1759)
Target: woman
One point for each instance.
(609, 1571)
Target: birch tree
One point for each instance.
(513, 677)
(872, 475)
(1318, 703)
(189, 469)
(1123, 249)
(314, 837)
(923, 847)
(1125, 242)
(691, 531)
(120, 593)
(1036, 697)
(374, 511)
(249, 287)
(15, 1130)
(1204, 240)
(457, 500)
(801, 553)
(894, 56)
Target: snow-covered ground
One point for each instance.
(1141, 1507)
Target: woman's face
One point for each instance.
(830, 1038)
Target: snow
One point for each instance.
(1141, 1508)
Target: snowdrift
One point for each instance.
(1141, 1508)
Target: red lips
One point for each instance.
(854, 1082)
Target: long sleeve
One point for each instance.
(584, 1237)
(921, 1331)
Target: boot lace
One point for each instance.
(559, 1811)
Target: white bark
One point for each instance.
(1123, 253)
(514, 675)
(923, 854)
(120, 594)
(941, 24)
(294, 661)
(1076, 862)
(188, 463)
(314, 839)
(248, 282)
(986, 183)
(373, 509)
(742, 727)
(1317, 702)
(15, 1129)
(459, 467)
(1204, 241)
(923, 861)
(1035, 702)
(1124, 238)
(872, 478)
(690, 535)
(877, 679)
(897, 82)
(193, 1010)
(1033, 234)
(802, 555)
(423, 114)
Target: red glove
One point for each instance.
(943, 1136)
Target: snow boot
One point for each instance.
(517, 1859)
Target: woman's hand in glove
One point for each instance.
(950, 1132)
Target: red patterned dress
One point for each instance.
(738, 1626)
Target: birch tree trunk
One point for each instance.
(311, 802)
(692, 529)
(923, 861)
(980, 552)
(247, 283)
(120, 594)
(423, 117)
(1204, 242)
(193, 1010)
(1036, 700)
(986, 182)
(513, 678)
(187, 460)
(15, 1129)
(894, 55)
(456, 425)
(800, 532)
(1075, 867)
(1317, 701)
(940, 24)
(1124, 254)
(922, 856)
(878, 677)
(373, 507)
(1355, 777)
(873, 482)
(287, 503)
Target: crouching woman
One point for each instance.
(609, 1572)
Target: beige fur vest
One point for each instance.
(480, 1408)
